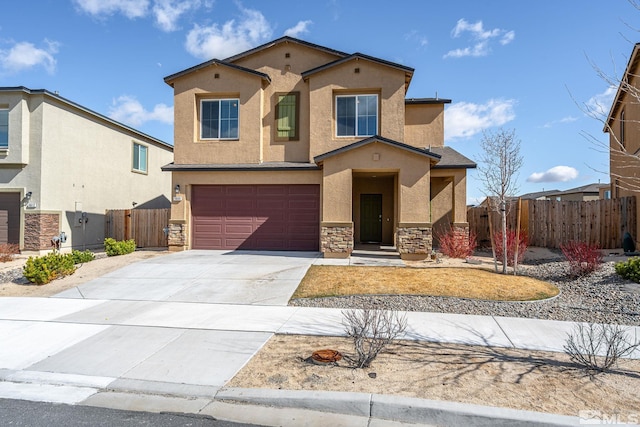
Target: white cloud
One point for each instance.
(130, 8)
(480, 38)
(598, 105)
(555, 174)
(414, 35)
(568, 119)
(25, 55)
(302, 27)
(128, 110)
(167, 12)
(465, 119)
(217, 41)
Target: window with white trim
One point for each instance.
(356, 115)
(219, 118)
(139, 158)
(4, 128)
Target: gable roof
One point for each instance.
(537, 194)
(285, 39)
(377, 138)
(589, 188)
(632, 65)
(169, 79)
(361, 56)
(87, 111)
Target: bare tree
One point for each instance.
(500, 163)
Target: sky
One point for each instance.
(532, 67)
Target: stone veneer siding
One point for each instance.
(462, 231)
(415, 240)
(337, 239)
(39, 229)
(177, 234)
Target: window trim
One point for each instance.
(296, 136)
(134, 167)
(356, 95)
(218, 100)
(5, 147)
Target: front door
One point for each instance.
(371, 218)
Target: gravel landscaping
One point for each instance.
(602, 297)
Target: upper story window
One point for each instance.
(357, 115)
(219, 118)
(4, 127)
(287, 113)
(622, 142)
(139, 158)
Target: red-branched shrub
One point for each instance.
(455, 244)
(511, 245)
(583, 257)
(8, 251)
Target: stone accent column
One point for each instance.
(414, 241)
(177, 236)
(336, 239)
(39, 229)
(461, 229)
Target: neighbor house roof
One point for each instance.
(169, 79)
(377, 138)
(451, 159)
(85, 110)
(538, 194)
(632, 65)
(589, 188)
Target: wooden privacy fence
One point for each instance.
(145, 226)
(550, 223)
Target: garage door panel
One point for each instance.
(268, 217)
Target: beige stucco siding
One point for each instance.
(371, 78)
(231, 83)
(424, 125)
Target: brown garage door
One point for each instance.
(264, 217)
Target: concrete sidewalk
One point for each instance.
(167, 334)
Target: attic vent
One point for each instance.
(356, 70)
(287, 55)
(216, 76)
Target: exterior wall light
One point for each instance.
(177, 188)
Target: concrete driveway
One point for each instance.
(217, 277)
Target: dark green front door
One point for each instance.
(371, 218)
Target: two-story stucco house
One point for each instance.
(62, 165)
(624, 135)
(295, 146)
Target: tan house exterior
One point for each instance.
(295, 146)
(624, 135)
(62, 165)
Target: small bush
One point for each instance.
(597, 347)
(371, 331)
(511, 246)
(82, 257)
(43, 269)
(122, 247)
(8, 251)
(629, 269)
(456, 245)
(583, 258)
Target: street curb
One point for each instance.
(396, 408)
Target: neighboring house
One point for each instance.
(295, 146)
(584, 193)
(539, 195)
(62, 165)
(624, 134)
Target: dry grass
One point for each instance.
(329, 281)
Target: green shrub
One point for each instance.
(43, 269)
(122, 247)
(629, 269)
(82, 257)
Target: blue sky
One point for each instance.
(526, 66)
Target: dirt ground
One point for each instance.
(530, 380)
